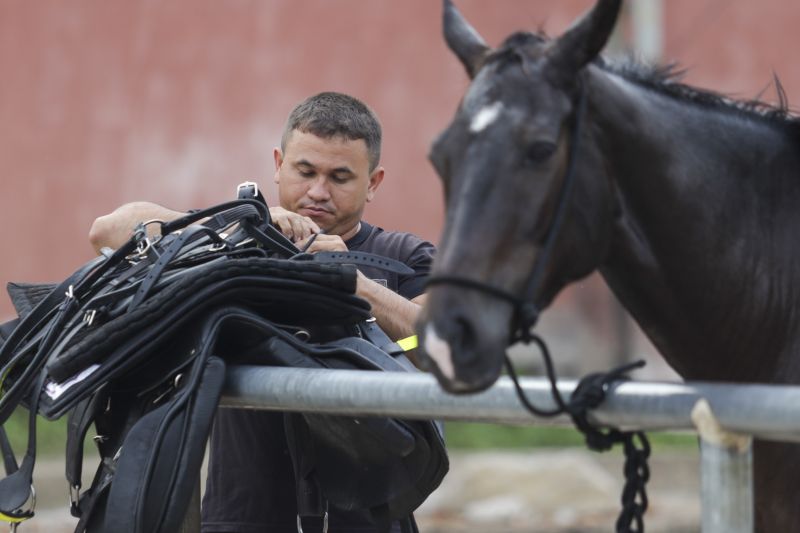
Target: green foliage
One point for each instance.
(51, 436)
(474, 436)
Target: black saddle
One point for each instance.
(136, 341)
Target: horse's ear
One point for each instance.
(587, 37)
(463, 40)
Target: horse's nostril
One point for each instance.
(466, 336)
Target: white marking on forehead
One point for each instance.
(439, 351)
(485, 117)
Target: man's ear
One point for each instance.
(375, 180)
(277, 155)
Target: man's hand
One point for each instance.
(324, 243)
(114, 230)
(297, 227)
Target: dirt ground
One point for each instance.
(559, 491)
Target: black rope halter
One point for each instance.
(526, 311)
(591, 390)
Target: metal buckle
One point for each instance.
(74, 495)
(88, 316)
(324, 521)
(245, 185)
(153, 221)
(142, 248)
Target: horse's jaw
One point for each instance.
(463, 344)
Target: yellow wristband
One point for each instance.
(409, 343)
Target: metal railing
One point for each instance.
(726, 416)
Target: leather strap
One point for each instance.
(374, 334)
(364, 259)
(78, 424)
(174, 248)
(259, 211)
(249, 189)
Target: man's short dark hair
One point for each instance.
(331, 114)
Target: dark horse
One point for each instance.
(686, 202)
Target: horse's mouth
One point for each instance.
(438, 357)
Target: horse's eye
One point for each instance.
(539, 152)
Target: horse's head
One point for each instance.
(504, 163)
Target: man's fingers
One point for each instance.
(325, 243)
(295, 227)
(313, 227)
(300, 228)
(285, 226)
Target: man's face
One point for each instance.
(327, 180)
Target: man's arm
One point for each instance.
(395, 315)
(114, 229)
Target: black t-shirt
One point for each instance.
(250, 486)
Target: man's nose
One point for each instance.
(318, 191)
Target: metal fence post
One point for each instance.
(726, 461)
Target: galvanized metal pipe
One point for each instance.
(765, 411)
(726, 466)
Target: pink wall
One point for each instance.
(108, 101)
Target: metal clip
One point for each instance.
(143, 245)
(153, 221)
(141, 249)
(176, 383)
(70, 292)
(88, 316)
(74, 495)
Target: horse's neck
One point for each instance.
(704, 254)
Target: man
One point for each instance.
(327, 169)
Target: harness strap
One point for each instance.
(189, 234)
(32, 323)
(9, 460)
(374, 334)
(80, 420)
(260, 212)
(310, 499)
(16, 489)
(275, 240)
(364, 259)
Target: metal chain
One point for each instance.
(589, 394)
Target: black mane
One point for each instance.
(665, 79)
